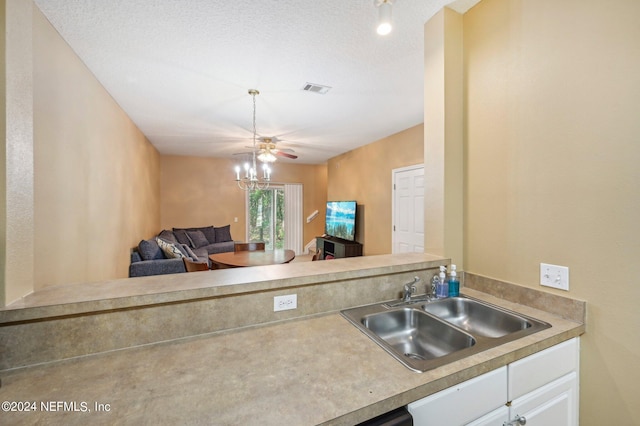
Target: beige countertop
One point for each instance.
(313, 370)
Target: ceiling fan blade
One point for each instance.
(284, 154)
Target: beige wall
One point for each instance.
(96, 187)
(553, 168)
(364, 175)
(199, 191)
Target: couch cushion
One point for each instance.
(197, 239)
(201, 254)
(170, 250)
(149, 250)
(168, 236)
(220, 247)
(223, 234)
(156, 267)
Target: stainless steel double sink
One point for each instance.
(427, 334)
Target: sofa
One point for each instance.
(163, 253)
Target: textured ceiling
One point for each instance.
(181, 69)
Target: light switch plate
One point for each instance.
(284, 303)
(554, 276)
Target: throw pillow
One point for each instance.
(209, 233)
(170, 250)
(181, 236)
(223, 234)
(168, 236)
(149, 250)
(197, 239)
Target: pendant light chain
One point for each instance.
(254, 123)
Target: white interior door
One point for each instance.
(408, 209)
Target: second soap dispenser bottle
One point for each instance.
(454, 283)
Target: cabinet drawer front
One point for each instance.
(462, 403)
(543, 367)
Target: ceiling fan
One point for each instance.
(267, 152)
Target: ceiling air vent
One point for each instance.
(316, 88)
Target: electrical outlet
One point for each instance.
(283, 303)
(554, 276)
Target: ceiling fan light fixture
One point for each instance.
(266, 157)
(384, 16)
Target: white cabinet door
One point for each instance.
(462, 403)
(553, 404)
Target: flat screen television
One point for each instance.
(340, 221)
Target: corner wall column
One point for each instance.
(17, 217)
(444, 135)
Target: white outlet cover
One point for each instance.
(284, 303)
(554, 276)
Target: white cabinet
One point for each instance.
(542, 388)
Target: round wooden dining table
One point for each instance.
(251, 258)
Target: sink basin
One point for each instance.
(476, 317)
(425, 335)
(415, 334)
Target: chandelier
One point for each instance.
(251, 180)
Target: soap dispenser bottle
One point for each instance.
(442, 287)
(454, 283)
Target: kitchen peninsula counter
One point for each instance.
(315, 369)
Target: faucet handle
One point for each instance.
(409, 289)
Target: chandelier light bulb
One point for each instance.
(384, 16)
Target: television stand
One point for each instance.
(338, 247)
